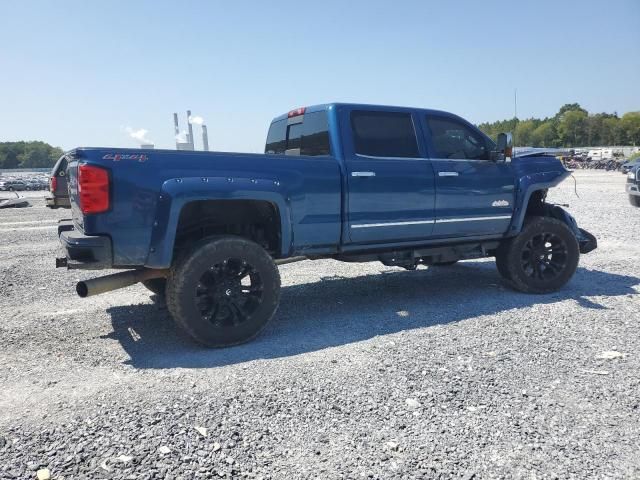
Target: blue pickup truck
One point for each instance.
(356, 183)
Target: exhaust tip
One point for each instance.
(82, 290)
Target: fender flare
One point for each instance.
(178, 192)
(527, 185)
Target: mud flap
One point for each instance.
(585, 239)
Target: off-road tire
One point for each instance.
(157, 286)
(205, 274)
(634, 200)
(542, 258)
(501, 260)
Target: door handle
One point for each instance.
(448, 174)
(363, 174)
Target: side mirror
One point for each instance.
(505, 145)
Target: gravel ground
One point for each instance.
(365, 372)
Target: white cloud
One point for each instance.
(139, 135)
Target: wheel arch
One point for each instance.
(532, 187)
(179, 203)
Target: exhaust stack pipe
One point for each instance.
(176, 127)
(205, 139)
(190, 126)
(95, 286)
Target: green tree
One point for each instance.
(572, 128)
(630, 126)
(570, 107)
(28, 155)
(523, 135)
(544, 135)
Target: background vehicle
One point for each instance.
(633, 185)
(354, 183)
(13, 185)
(627, 166)
(58, 193)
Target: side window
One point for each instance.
(453, 139)
(277, 138)
(384, 134)
(307, 137)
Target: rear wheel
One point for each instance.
(634, 200)
(542, 258)
(224, 292)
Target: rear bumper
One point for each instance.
(83, 251)
(57, 202)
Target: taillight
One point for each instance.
(297, 112)
(93, 189)
(53, 184)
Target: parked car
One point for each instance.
(34, 185)
(633, 185)
(354, 183)
(627, 166)
(58, 193)
(13, 185)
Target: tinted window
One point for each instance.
(311, 136)
(294, 132)
(384, 134)
(277, 137)
(453, 139)
(315, 135)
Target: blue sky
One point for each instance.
(80, 72)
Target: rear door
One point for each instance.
(474, 194)
(390, 182)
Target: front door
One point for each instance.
(474, 194)
(390, 183)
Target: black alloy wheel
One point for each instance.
(544, 256)
(541, 259)
(224, 291)
(229, 293)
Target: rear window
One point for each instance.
(309, 137)
(384, 134)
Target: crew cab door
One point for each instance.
(474, 194)
(390, 183)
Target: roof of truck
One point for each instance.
(325, 106)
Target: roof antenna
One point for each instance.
(515, 115)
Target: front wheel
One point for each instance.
(542, 258)
(224, 292)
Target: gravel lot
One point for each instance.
(366, 371)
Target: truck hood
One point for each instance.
(538, 152)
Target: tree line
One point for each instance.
(572, 126)
(34, 154)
